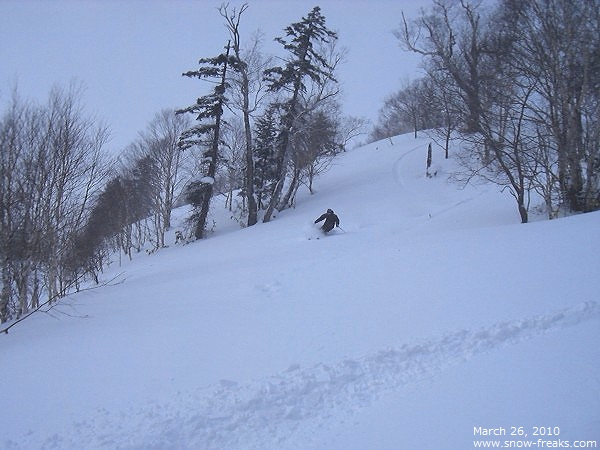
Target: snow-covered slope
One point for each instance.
(432, 316)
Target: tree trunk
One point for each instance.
(447, 142)
(5, 293)
(522, 208)
(286, 201)
(249, 188)
(284, 159)
(213, 155)
(249, 152)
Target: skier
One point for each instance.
(330, 219)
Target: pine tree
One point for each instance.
(305, 64)
(209, 111)
(265, 162)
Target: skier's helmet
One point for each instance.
(330, 211)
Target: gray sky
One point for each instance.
(129, 54)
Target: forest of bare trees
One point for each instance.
(51, 166)
(518, 84)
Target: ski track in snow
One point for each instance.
(397, 164)
(265, 413)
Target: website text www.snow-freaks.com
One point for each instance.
(540, 443)
(540, 437)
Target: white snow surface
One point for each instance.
(432, 313)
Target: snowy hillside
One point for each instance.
(431, 321)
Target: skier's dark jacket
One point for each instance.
(330, 219)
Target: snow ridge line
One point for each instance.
(264, 413)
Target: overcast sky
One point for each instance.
(129, 54)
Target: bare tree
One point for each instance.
(159, 142)
(73, 159)
(350, 128)
(17, 119)
(443, 108)
(232, 170)
(411, 108)
(250, 87)
(314, 147)
(452, 37)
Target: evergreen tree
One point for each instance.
(209, 111)
(304, 64)
(265, 161)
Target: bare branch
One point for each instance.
(55, 300)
